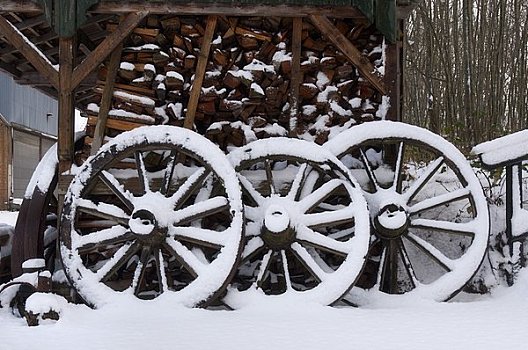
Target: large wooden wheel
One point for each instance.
(306, 224)
(156, 213)
(429, 216)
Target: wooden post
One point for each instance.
(296, 74)
(66, 106)
(199, 73)
(106, 100)
(393, 75)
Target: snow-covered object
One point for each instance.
(41, 303)
(281, 211)
(127, 66)
(503, 150)
(37, 263)
(211, 276)
(461, 269)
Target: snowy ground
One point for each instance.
(496, 321)
(489, 322)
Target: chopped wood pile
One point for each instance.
(247, 92)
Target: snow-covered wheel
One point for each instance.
(307, 228)
(429, 216)
(156, 213)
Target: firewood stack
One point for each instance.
(246, 92)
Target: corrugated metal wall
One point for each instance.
(27, 106)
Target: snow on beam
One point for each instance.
(504, 150)
(29, 50)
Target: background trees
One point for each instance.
(466, 68)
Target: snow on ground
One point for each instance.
(8, 217)
(490, 322)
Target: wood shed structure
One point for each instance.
(61, 47)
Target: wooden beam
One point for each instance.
(19, 6)
(66, 106)
(296, 74)
(106, 100)
(30, 51)
(362, 63)
(200, 72)
(108, 45)
(189, 8)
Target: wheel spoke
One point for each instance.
(407, 264)
(139, 273)
(310, 202)
(199, 236)
(439, 200)
(142, 172)
(269, 176)
(309, 262)
(264, 266)
(252, 247)
(169, 172)
(388, 281)
(121, 256)
(103, 211)
(329, 218)
(199, 210)
(250, 190)
(397, 182)
(192, 184)
(428, 173)
(111, 182)
(298, 182)
(432, 252)
(320, 241)
(466, 229)
(187, 258)
(286, 270)
(160, 270)
(369, 170)
(110, 236)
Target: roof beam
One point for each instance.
(192, 8)
(30, 51)
(106, 47)
(19, 6)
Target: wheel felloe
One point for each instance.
(131, 227)
(429, 216)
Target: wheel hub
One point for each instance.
(391, 222)
(277, 232)
(144, 226)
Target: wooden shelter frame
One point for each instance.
(70, 76)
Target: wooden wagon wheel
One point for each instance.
(306, 224)
(429, 216)
(36, 227)
(156, 211)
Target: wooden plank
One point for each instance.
(19, 6)
(121, 125)
(296, 74)
(140, 31)
(106, 100)
(66, 105)
(200, 72)
(227, 9)
(30, 52)
(362, 63)
(108, 45)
